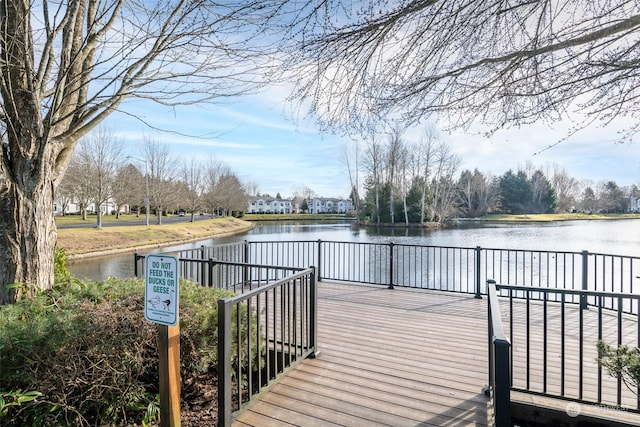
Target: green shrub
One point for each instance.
(9, 399)
(622, 362)
(90, 354)
(60, 270)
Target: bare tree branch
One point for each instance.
(496, 62)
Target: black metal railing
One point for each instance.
(456, 269)
(562, 270)
(271, 328)
(499, 387)
(554, 342)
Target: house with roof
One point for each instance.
(270, 205)
(319, 205)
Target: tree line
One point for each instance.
(101, 173)
(421, 182)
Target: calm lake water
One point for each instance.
(620, 237)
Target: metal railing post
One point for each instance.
(502, 383)
(318, 272)
(224, 359)
(390, 266)
(585, 279)
(210, 263)
(203, 266)
(135, 264)
(245, 254)
(478, 252)
(490, 282)
(313, 314)
(499, 362)
(245, 279)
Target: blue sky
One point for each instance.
(257, 139)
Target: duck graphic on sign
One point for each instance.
(156, 301)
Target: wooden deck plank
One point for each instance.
(410, 357)
(406, 387)
(282, 416)
(252, 418)
(366, 388)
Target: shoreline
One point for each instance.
(129, 239)
(556, 217)
(509, 219)
(116, 251)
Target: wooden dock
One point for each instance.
(409, 357)
(398, 357)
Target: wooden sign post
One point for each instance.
(169, 371)
(161, 307)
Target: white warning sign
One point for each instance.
(161, 289)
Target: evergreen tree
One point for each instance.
(515, 192)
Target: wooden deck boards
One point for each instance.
(409, 357)
(387, 358)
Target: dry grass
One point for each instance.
(78, 241)
(557, 217)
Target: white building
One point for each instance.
(263, 204)
(73, 207)
(320, 205)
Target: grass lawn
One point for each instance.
(78, 241)
(557, 217)
(91, 219)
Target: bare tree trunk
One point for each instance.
(423, 200)
(377, 203)
(391, 207)
(406, 209)
(425, 154)
(404, 188)
(27, 233)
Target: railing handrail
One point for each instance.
(494, 309)
(262, 289)
(565, 252)
(579, 292)
(486, 248)
(241, 264)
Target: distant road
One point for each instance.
(91, 221)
